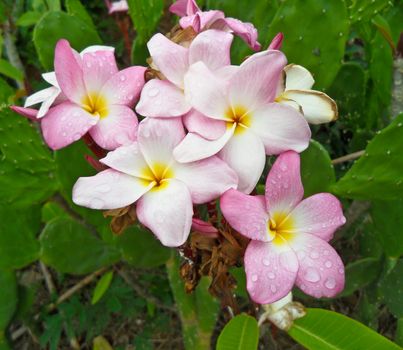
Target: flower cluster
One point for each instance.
(205, 131)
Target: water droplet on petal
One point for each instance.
(271, 275)
(96, 203)
(330, 283)
(122, 78)
(273, 288)
(153, 92)
(341, 271)
(254, 278)
(288, 262)
(314, 254)
(312, 275)
(328, 264)
(266, 262)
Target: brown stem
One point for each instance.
(348, 157)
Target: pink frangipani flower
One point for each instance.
(288, 235)
(98, 99)
(166, 98)
(145, 172)
(243, 104)
(192, 16)
(117, 6)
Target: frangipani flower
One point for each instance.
(145, 172)
(243, 104)
(295, 90)
(98, 99)
(288, 235)
(192, 16)
(117, 6)
(166, 98)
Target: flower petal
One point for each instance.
(109, 189)
(160, 98)
(53, 99)
(157, 139)
(271, 270)
(206, 92)
(255, 83)
(40, 96)
(321, 272)
(206, 179)
(98, 67)
(246, 214)
(116, 129)
(244, 153)
(69, 72)
(277, 42)
(95, 48)
(170, 58)
(50, 77)
(320, 215)
(317, 107)
(212, 47)
(29, 113)
(167, 212)
(65, 124)
(281, 128)
(208, 128)
(184, 8)
(283, 185)
(298, 78)
(194, 147)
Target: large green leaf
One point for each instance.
(57, 25)
(70, 247)
(378, 174)
(7, 69)
(18, 228)
(328, 330)
(8, 297)
(76, 8)
(26, 167)
(391, 289)
(317, 172)
(388, 221)
(364, 10)
(315, 39)
(242, 332)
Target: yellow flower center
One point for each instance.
(158, 173)
(280, 226)
(240, 116)
(95, 104)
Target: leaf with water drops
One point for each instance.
(377, 175)
(391, 289)
(364, 10)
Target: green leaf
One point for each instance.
(359, 274)
(8, 298)
(399, 332)
(388, 222)
(70, 247)
(101, 287)
(26, 167)
(29, 18)
(391, 289)
(378, 174)
(52, 210)
(141, 249)
(317, 172)
(7, 69)
(145, 15)
(328, 330)
(53, 5)
(242, 332)
(18, 244)
(319, 44)
(364, 10)
(52, 27)
(6, 91)
(76, 8)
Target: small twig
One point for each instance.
(18, 333)
(348, 157)
(48, 278)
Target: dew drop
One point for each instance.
(341, 271)
(254, 278)
(330, 283)
(266, 262)
(288, 262)
(328, 264)
(96, 203)
(312, 275)
(153, 92)
(326, 252)
(301, 255)
(271, 275)
(314, 255)
(122, 78)
(273, 288)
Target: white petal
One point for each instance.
(298, 77)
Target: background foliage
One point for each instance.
(130, 293)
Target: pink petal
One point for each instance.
(208, 19)
(118, 6)
(321, 272)
(246, 31)
(320, 215)
(109, 189)
(65, 124)
(124, 87)
(29, 113)
(126, 159)
(210, 129)
(69, 72)
(206, 92)
(244, 153)
(203, 227)
(277, 42)
(191, 21)
(194, 147)
(157, 139)
(170, 58)
(184, 8)
(98, 67)
(283, 184)
(281, 128)
(116, 129)
(246, 214)
(271, 270)
(160, 98)
(167, 212)
(212, 47)
(206, 179)
(255, 83)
